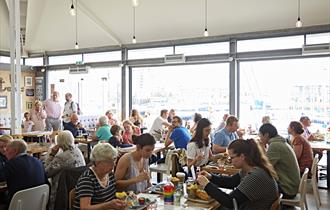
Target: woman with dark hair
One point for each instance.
(199, 148)
(116, 139)
(132, 172)
(281, 155)
(301, 147)
(136, 118)
(254, 186)
(197, 117)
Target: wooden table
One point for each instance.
(223, 170)
(39, 135)
(323, 145)
(89, 142)
(36, 149)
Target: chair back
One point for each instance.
(235, 204)
(314, 166)
(302, 185)
(72, 195)
(277, 203)
(31, 198)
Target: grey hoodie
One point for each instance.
(282, 157)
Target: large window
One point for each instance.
(187, 89)
(96, 92)
(285, 90)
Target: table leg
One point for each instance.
(159, 175)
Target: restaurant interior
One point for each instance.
(106, 59)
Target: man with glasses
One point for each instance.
(177, 134)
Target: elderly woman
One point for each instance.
(254, 186)
(103, 131)
(132, 172)
(129, 131)
(4, 140)
(96, 187)
(38, 116)
(69, 157)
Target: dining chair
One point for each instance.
(300, 199)
(313, 182)
(167, 167)
(31, 198)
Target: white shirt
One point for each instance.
(193, 151)
(69, 108)
(157, 125)
(27, 126)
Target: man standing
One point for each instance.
(177, 134)
(223, 137)
(74, 125)
(157, 126)
(22, 171)
(53, 110)
(70, 108)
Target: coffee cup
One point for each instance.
(181, 176)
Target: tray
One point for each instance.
(197, 200)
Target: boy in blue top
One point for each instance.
(177, 134)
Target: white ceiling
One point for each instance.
(49, 26)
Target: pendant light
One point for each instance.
(298, 23)
(76, 46)
(135, 3)
(134, 39)
(72, 10)
(206, 33)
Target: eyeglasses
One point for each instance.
(231, 158)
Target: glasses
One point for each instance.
(232, 157)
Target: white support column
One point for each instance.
(15, 66)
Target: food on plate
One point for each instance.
(202, 194)
(175, 180)
(142, 200)
(121, 195)
(191, 190)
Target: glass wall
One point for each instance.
(285, 90)
(185, 88)
(97, 91)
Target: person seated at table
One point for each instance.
(116, 138)
(199, 148)
(96, 187)
(254, 186)
(22, 171)
(136, 118)
(197, 117)
(132, 171)
(177, 134)
(223, 137)
(27, 123)
(103, 131)
(283, 159)
(129, 131)
(301, 146)
(4, 140)
(70, 156)
(74, 126)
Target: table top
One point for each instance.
(37, 148)
(36, 133)
(159, 147)
(5, 128)
(323, 145)
(223, 170)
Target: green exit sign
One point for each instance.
(79, 62)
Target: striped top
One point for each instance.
(89, 186)
(260, 188)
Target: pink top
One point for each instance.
(52, 108)
(39, 119)
(127, 136)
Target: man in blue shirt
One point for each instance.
(177, 134)
(223, 137)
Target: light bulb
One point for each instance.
(135, 3)
(43, 70)
(76, 46)
(133, 40)
(72, 10)
(206, 33)
(298, 23)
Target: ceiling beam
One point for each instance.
(99, 23)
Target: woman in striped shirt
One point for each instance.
(254, 186)
(96, 187)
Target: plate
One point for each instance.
(152, 199)
(197, 200)
(158, 189)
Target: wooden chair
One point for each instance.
(72, 195)
(277, 203)
(300, 199)
(313, 182)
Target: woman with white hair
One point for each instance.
(96, 187)
(103, 132)
(70, 156)
(38, 117)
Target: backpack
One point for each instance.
(78, 108)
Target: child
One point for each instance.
(27, 124)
